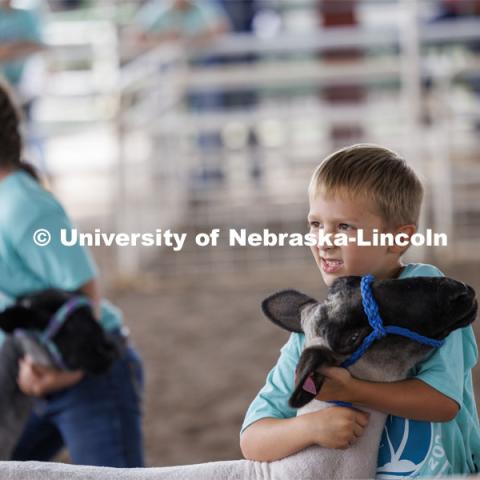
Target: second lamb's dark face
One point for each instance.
(81, 340)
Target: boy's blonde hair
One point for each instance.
(373, 173)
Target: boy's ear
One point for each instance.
(407, 231)
(18, 316)
(284, 309)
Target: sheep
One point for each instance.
(431, 306)
(80, 341)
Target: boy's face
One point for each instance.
(342, 214)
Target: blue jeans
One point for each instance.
(98, 420)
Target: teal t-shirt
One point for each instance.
(408, 447)
(25, 207)
(18, 25)
(159, 16)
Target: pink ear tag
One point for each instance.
(309, 386)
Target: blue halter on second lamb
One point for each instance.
(45, 337)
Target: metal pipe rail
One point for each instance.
(148, 73)
(461, 30)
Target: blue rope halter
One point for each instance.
(58, 318)
(55, 323)
(379, 331)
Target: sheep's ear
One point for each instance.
(17, 316)
(284, 309)
(308, 380)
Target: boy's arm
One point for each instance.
(271, 429)
(15, 50)
(410, 398)
(271, 439)
(434, 393)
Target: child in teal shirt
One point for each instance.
(433, 426)
(20, 36)
(97, 417)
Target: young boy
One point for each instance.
(433, 427)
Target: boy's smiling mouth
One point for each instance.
(331, 265)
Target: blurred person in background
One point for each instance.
(97, 417)
(451, 10)
(192, 24)
(242, 18)
(21, 37)
(332, 14)
(458, 8)
(72, 4)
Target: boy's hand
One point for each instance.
(336, 427)
(338, 385)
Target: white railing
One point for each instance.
(154, 131)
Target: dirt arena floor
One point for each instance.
(207, 349)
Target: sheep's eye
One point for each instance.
(354, 338)
(26, 302)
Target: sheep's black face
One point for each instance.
(431, 306)
(462, 306)
(457, 304)
(81, 340)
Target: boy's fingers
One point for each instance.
(28, 359)
(24, 365)
(40, 369)
(24, 361)
(357, 430)
(362, 418)
(331, 372)
(325, 370)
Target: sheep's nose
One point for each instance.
(468, 292)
